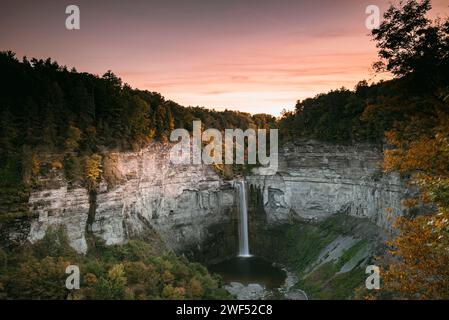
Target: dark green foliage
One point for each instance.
(411, 43)
(362, 115)
(72, 169)
(37, 279)
(44, 103)
(45, 108)
(329, 117)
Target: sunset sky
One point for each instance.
(249, 55)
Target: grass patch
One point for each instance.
(305, 243)
(325, 283)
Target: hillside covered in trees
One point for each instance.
(414, 49)
(46, 108)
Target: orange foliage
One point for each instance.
(428, 154)
(420, 269)
(419, 262)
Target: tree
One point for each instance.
(83, 104)
(173, 293)
(8, 132)
(411, 43)
(92, 170)
(30, 165)
(196, 289)
(112, 79)
(73, 138)
(39, 279)
(163, 120)
(112, 287)
(138, 119)
(419, 267)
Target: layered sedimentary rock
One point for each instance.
(182, 203)
(315, 180)
(192, 208)
(60, 207)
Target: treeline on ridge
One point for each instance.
(46, 109)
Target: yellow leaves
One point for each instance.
(111, 172)
(391, 160)
(410, 203)
(174, 293)
(196, 288)
(92, 170)
(179, 293)
(56, 165)
(392, 137)
(420, 267)
(418, 155)
(117, 275)
(420, 246)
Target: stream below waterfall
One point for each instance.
(250, 278)
(253, 270)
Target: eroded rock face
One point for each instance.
(192, 208)
(316, 180)
(60, 207)
(180, 202)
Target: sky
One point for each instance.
(257, 56)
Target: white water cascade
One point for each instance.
(243, 221)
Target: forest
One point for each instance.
(46, 108)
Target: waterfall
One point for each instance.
(243, 221)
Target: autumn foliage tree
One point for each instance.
(92, 170)
(415, 48)
(420, 253)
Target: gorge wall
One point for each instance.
(194, 210)
(315, 180)
(183, 204)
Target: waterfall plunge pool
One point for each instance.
(246, 276)
(250, 270)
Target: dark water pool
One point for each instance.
(250, 270)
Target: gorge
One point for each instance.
(230, 156)
(194, 211)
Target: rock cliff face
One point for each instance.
(193, 209)
(182, 203)
(316, 180)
